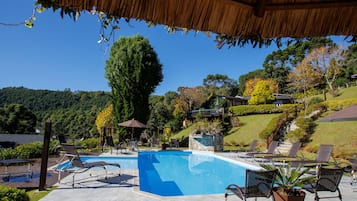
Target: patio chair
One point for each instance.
(78, 166)
(328, 179)
(174, 143)
(323, 156)
(292, 153)
(353, 170)
(258, 183)
(271, 149)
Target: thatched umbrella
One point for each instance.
(132, 124)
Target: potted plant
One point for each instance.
(289, 182)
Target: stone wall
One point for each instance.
(206, 142)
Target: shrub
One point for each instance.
(295, 135)
(8, 153)
(89, 143)
(31, 150)
(263, 109)
(315, 100)
(12, 194)
(340, 104)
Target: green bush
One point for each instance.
(31, 150)
(12, 194)
(8, 153)
(89, 143)
(26, 151)
(263, 109)
(273, 126)
(340, 104)
(303, 133)
(295, 135)
(315, 100)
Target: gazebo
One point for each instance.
(253, 20)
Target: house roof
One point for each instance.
(251, 19)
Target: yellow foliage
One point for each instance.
(105, 118)
(252, 83)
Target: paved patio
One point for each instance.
(126, 187)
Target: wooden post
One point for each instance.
(44, 158)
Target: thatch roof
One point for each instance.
(261, 19)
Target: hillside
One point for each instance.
(72, 113)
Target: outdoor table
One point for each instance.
(13, 162)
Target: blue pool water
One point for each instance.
(125, 162)
(184, 173)
(176, 173)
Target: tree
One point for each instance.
(219, 84)
(104, 118)
(303, 78)
(189, 99)
(259, 73)
(251, 84)
(261, 93)
(327, 62)
(15, 118)
(349, 67)
(278, 64)
(133, 71)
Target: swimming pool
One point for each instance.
(184, 173)
(177, 173)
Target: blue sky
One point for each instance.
(59, 53)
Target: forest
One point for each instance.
(71, 113)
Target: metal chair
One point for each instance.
(258, 183)
(328, 179)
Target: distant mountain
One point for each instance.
(72, 113)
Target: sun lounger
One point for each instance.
(292, 153)
(252, 155)
(323, 156)
(77, 166)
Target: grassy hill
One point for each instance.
(249, 130)
(345, 93)
(342, 134)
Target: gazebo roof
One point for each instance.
(253, 19)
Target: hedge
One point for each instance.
(340, 104)
(12, 194)
(264, 109)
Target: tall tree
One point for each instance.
(303, 78)
(219, 84)
(15, 118)
(189, 99)
(278, 64)
(349, 67)
(133, 71)
(259, 73)
(327, 61)
(251, 84)
(262, 93)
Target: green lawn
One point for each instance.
(343, 135)
(345, 93)
(252, 125)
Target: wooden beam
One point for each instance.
(261, 6)
(312, 5)
(259, 9)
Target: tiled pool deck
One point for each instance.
(126, 188)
